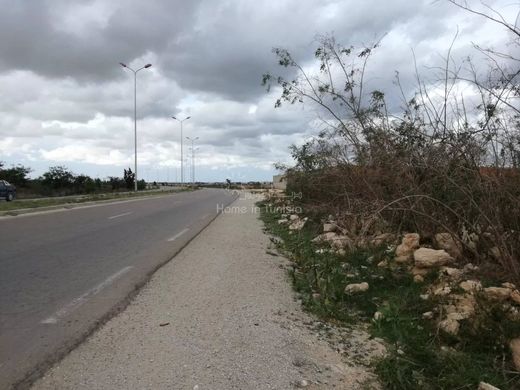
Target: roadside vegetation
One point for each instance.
(420, 355)
(446, 160)
(60, 186)
(60, 181)
(410, 213)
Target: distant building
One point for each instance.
(279, 182)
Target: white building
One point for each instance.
(279, 182)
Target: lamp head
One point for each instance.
(147, 65)
(123, 65)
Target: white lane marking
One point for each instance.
(77, 302)
(120, 215)
(204, 217)
(178, 235)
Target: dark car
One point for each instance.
(7, 191)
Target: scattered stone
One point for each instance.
(298, 224)
(342, 242)
(329, 236)
(329, 227)
(427, 315)
(497, 293)
(456, 316)
(450, 326)
(356, 287)
(471, 286)
(404, 251)
(303, 383)
(453, 273)
(449, 244)
(464, 306)
(442, 291)
(509, 285)
(513, 314)
(420, 271)
(470, 267)
(378, 316)
(294, 217)
(341, 252)
(424, 297)
(515, 351)
(382, 264)
(515, 296)
(283, 221)
(316, 296)
(430, 258)
(418, 279)
(486, 386)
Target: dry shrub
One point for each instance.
(449, 162)
(481, 204)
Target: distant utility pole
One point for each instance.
(192, 159)
(182, 154)
(135, 117)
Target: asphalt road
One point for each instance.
(61, 273)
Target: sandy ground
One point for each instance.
(220, 315)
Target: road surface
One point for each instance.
(64, 272)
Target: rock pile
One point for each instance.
(457, 289)
(294, 221)
(335, 237)
(404, 251)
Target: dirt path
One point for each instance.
(220, 315)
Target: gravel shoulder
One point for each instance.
(220, 315)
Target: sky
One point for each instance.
(65, 100)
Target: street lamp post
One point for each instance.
(182, 152)
(192, 159)
(135, 117)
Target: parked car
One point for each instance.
(7, 191)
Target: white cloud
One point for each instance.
(65, 100)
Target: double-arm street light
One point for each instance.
(135, 117)
(192, 159)
(182, 152)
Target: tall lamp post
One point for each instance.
(182, 152)
(135, 116)
(192, 159)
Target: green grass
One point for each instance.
(11, 207)
(419, 356)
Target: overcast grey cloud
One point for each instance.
(65, 100)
